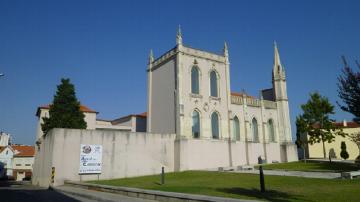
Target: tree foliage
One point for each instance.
(65, 111)
(301, 141)
(349, 90)
(315, 121)
(355, 137)
(344, 154)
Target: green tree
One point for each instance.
(344, 154)
(355, 137)
(301, 141)
(315, 121)
(349, 90)
(65, 111)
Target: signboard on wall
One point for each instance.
(90, 159)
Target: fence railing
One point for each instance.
(239, 100)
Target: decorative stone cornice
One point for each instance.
(203, 54)
(188, 51)
(164, 57)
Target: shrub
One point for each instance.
(357, 160)
(344, 154)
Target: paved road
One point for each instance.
(25, 192)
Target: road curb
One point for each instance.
(151, 194)
(74, 193)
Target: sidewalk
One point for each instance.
(95, 195)
(114, 193)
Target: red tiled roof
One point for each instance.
(242, 94)
(2, 148)
(350, 124)
(144, 114)
(24, 150)
(83, 108)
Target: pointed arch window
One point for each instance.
(215, 125)
(236, 129)
(255, 132)
(214, 87)
(271, 131)
(196, 124)
(195, 80)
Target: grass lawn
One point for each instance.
(313, 166)
(246, 186)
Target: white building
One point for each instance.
(133, 122)
(189, 94)
(4, 139)
(6, 159)
(17, 160)
(23, 161)
(193, 121)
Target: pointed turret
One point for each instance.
(179, 36)
(226, 52)
(281, 98)
(279, 80)
(278, 69)
(151, 56)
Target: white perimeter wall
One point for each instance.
(128, 154)
(192, 154)
(125, 154)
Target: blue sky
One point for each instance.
(102, 46)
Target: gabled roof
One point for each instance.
(2, 148)
(83, 108)
(23, 150)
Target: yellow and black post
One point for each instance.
(52, 175)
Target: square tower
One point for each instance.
(189, 93)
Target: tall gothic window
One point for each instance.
(255, 132)
(215, 125)
(195, 124)
(195, 80)
(236, 129)
(271, 131)
(214, 84)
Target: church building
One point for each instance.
(189, 94)
(193, 122)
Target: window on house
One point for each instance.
(255, 132)
(27, 164)
(195, 80)
(18, 164)
(271, 131)
(215, 125)
(236, 129)
(214, 84)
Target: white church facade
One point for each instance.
(189, 94)
(193, 121)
